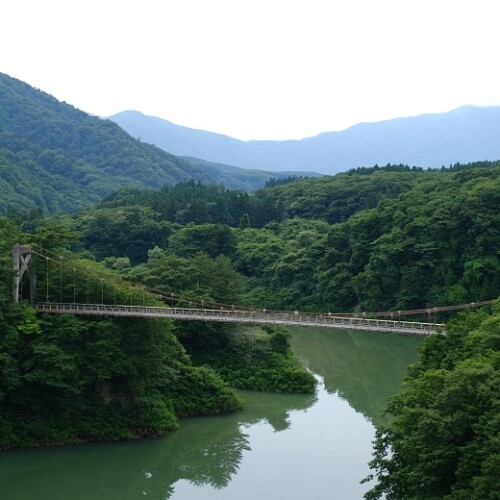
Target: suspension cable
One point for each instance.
(166, 296)
(60, 280)
(47, 279)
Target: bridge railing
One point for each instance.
(244, 316)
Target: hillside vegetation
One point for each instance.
(87, 379)
(443, 441)
(65, 379)
(371, 239)
(54, 157)
(377, 239)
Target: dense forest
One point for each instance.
(372, 239)
(391, 238)
(118, 377)
(104, 379)
(443, 441)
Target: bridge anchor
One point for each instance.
(21, 255)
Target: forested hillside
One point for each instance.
(371, 239)
(55, 158)
(390, 238)
(443, 441)
(91, 379)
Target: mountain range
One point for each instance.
(462, 135)
(56, 158)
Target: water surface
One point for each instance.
(290, 446)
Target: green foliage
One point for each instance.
(244, 221)
(278, 341)
(66, 379)
(373, 239)
(125, 232)
(83, 380)
(189, 202)
(198, 277)
(390, 238)
(273, 181)
(212, 239)
(259, 360)
(443, 441)
(54, 157)
(200, 391)
(426, 239)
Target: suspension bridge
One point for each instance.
(67, 288)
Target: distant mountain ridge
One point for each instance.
(463, 135)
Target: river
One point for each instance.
(290, 446)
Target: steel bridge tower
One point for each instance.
(21, 255)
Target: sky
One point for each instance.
(257, 69)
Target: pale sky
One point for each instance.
(257, 69)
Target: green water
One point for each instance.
(288, 446)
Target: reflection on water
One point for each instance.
(205, 450)
(364, 368)
(296, 446)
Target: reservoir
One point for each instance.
(280, 446)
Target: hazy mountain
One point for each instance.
(244, 178)
(463, 135)
(56, 157)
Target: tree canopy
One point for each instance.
(443, 441)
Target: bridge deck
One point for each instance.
(240, 316)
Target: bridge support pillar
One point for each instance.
(21, 255)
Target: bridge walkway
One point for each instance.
(245, 316)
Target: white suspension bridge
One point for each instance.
(375, 321)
